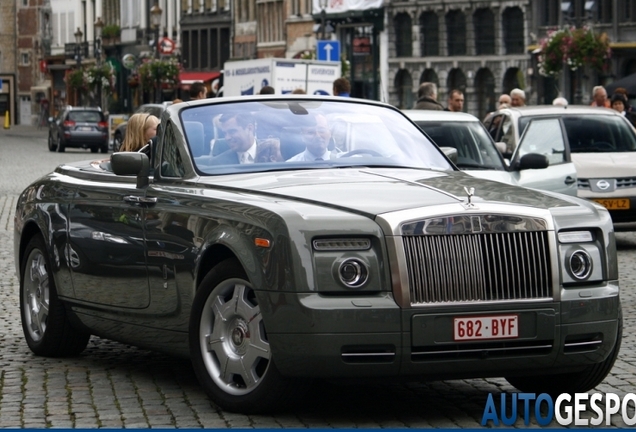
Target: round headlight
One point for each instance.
(353, 273)
(580, 264)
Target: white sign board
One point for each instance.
(339, 6)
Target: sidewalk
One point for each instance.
(25, 131)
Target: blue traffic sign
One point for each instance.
(328, 50)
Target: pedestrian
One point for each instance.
(176, 101)
(599, 97)
(198, 91)
(299, 91)
(427, 97)
(267, 90)
(455, 101)
(560, 101)
(517, 97)
(504, 101)
(342, 87)
(141, 128)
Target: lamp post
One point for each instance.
(323, 17)
(155, 19)
(99, 24)
(78, 46)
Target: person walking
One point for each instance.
(455, 101)
(198, 91)
(427, 97)
(599, 97)
(517, 97)
(342, 87)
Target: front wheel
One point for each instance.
(578, 382)
(52, 144)
(46, 326)
(230, 352)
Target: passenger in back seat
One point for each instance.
(317, 137)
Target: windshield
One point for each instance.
(475, 148)
(594, 133)
(299, 133)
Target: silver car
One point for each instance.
(538, 165)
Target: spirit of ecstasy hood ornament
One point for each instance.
(470, 192)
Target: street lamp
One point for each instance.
(78, 47)
(99, 24)
(323, 17)
(155, 19)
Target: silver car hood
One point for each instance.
(604, 165)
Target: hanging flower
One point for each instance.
(77, 80)
(159, 71)
(101, 76)
(573, 47)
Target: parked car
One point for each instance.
(381, 260)
(600, 142)
(120, 131)
(78, 127)
(478, 155)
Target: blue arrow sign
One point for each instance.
(328, 50)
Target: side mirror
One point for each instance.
(132, 164)
(451, 153)
(533, 161)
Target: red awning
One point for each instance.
(192, 77)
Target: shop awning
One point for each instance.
(192, 77)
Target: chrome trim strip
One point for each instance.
(367, 354)
(463, 351)
(574, 344)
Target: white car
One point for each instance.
(601, 143)
(538, 164)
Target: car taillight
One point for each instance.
(102, 124)
(69, 123)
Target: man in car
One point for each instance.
(317, 138)
(240, 134)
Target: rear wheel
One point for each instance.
(578, 382)
(52, 144)
(228, 344)
(104, 148)
(60, 146)
(94, 149)
(45, 323)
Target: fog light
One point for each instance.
(580, 265)
(353, 273)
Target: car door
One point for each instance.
(106, 250)
(546, 136)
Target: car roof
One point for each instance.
(82, 108)
(534, 110)
(432, 115)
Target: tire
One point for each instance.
(104, 148)
(117, 141)
(225, 310)
(94, 149)
(52, 145)
(45, 323)
(60, 146)
(579, 382)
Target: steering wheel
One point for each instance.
(362, 151)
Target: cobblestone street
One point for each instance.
(111, 385)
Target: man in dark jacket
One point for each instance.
(427, 97)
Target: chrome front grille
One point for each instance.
(492, 266)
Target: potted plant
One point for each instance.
(573, 48)
(77, 80)
(156, 71)
(111, 32)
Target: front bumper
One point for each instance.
(367, 338)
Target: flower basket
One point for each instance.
(573, 48)
(133, 81)
(159, 71)
(76, 80)
(101, 76)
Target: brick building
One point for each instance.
(8, 60)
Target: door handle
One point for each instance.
(134, 199)
(569, 180)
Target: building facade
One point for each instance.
(8, 61)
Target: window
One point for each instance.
(549, 13)
(513, 30)
(544, 137)
(456, 32)
(25, 59)
(484, 21)
(603, 10)
(627, 11)
(270, 21)
(429, 34)
(403, 35)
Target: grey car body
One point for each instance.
(600, 142)
(478, 155)
(384, 261)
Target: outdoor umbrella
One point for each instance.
(628, 83)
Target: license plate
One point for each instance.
(614, 204)
(85, 128)
(486, 327)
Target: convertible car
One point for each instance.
(316, 238)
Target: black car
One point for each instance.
(79, 127)
(154, 109)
